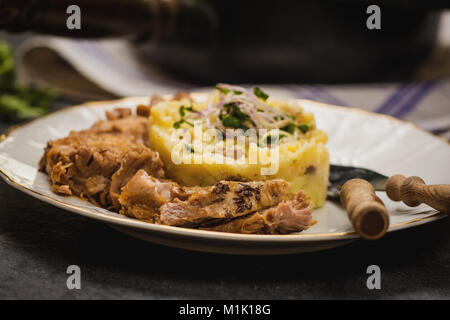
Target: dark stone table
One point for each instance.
(38, 242)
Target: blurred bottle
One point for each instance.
(255, 41)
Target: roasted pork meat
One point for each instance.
(165, 202)
(143, 195)
(96, 163)
(132, 128)
(288, 216)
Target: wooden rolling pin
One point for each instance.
(365, 209)
(413, 191)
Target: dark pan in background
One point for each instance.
(324, 41)
(312, 41)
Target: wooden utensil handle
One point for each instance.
(413, 191)
(365, 209)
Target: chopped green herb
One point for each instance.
(223, 90)
(290, 116)
(290, 127)
(17, 101)
(237, 112)
(232, 116)
(177, 124)
(226, 91)
(189, 148)
(230, 121)
(304, 127)
(183, 108)
(267, 140)
(260, 94)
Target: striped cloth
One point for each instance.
(426, 104)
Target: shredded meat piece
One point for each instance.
(141, 158)
(205, 206)
(195, 206)
(180, 95)
(288, 216)
(165, 202)
(73, 162)
(95, 166)
(143, 195)
(132, 128)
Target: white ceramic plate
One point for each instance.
(356, 138)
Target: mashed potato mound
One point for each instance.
(303, 158)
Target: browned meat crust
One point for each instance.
(143, 195)
(288, 216)
(118, 113)
(222, 202)
(141, 158)
(132, 128)
(165, 202)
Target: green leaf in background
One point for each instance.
(6, 67)
(16, 100)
